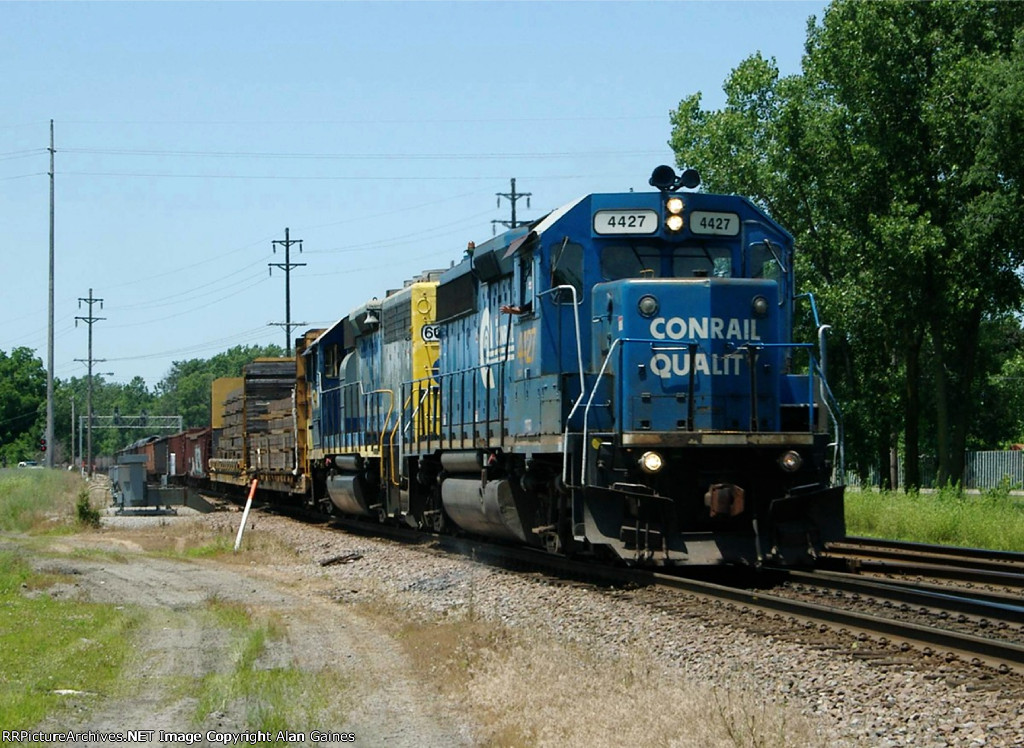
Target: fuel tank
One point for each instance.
(489, 509)
(351, 494)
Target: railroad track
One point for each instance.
(976, 565)
(978, 628)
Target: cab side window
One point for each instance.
(567, 270)
(763, 262)
(526, 287)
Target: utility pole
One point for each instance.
(287, 266)
(89, 320)
(72, 429)
(513, 197)
(48, 457)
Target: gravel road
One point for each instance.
(181, 642)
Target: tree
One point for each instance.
(895, 158)
(22, 404)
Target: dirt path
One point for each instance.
(181, 642)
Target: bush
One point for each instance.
(86, 514)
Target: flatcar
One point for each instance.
(619, 378)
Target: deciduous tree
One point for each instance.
(895, 158)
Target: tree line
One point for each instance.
(895, 158)
(184, 391)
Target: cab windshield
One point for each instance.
(636, 260)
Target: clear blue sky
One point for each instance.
(189, 135)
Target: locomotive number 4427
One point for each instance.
(713, 222)
(625, 222)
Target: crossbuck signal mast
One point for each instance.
(513, 197)
(287, 266)
(89, 320)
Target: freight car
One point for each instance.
(178, 459)
(620, 378)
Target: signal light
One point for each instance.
(42, 443)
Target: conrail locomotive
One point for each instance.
(618, 379)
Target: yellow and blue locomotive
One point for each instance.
(619, 378)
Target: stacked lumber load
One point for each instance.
(257, 420)
(272, 442)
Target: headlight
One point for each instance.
(648, 306)
(759, 306)
(791, 461)
(674, 205)
(651, 462)
(674, 222)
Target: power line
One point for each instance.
(357, 156)
(375, 121)
(244, 336)
(296, 178)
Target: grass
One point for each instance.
(40, 500)
(48, 644)
(993, 519)
(272, 697)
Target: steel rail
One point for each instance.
(980, 604)
(944, 550)
(981, 560)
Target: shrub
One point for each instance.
(87, 515)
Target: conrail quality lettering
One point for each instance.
(679, 363)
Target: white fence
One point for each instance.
(981, 470)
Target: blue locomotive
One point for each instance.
(619, 378)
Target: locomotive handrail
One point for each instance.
(831, 404)
(362, 413)
(436, 382)
(586, 417)
(814, 306)
(820, 327)
(586, 410)
(576, 321)
(384, 426)
(827, 397)
(398, 422)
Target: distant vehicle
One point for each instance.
(28, 464)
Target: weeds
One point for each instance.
(527, 689)
(35, 500)
(86, 514)
(993, 519)
(267, 694)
